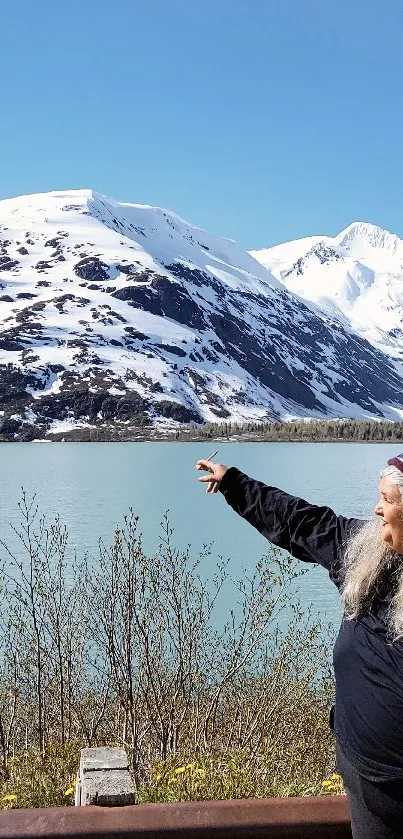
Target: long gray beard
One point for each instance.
(366, 556)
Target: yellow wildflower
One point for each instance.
(332, 785)
(180, 770)
(10, 797)
(69, 791)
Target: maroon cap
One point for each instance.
(397, 461)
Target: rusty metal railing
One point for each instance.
(323, 817)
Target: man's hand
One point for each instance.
(216, 470)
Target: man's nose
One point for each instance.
(378, 510)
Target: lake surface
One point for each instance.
(92, 485)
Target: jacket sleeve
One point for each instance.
(306, 531)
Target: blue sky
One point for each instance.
(260, 120)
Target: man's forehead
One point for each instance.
(388, 488)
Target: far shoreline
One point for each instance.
(291, 431)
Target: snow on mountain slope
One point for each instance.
(125, 314)
(280, 256)
(356, 276)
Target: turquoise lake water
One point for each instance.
(92, 485)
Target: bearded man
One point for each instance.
(365, 561)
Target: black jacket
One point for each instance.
(368, 718)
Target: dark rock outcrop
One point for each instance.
(166, 299)
(91, 268)
(177, 412)
(7, 264)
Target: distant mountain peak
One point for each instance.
(357, 276)
(363, 234)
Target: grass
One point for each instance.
(49, 781)
(41, 781)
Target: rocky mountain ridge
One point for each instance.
(121, 315)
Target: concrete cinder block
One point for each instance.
(107, 788)
(104, 779)
(103, 758)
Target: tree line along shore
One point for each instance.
(312, 431)
(292, 431)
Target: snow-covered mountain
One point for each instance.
(356, 276)
(125, 314)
